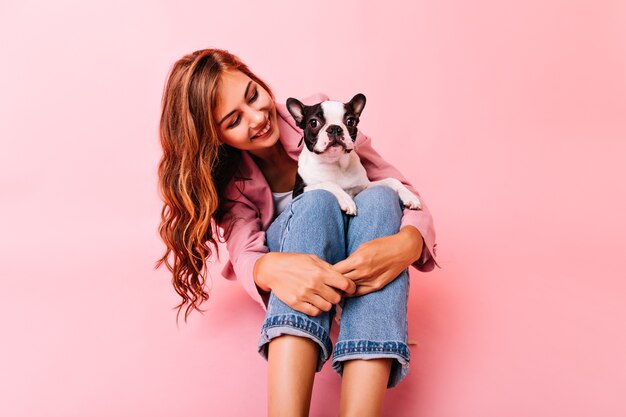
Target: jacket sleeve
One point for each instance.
(245, 244)
(377, 169)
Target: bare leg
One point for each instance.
(292, 361)
(363, 387)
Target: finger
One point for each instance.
(340, 282)
(363, 290)
(306, 308)
(360, 290)
(336, 278)
(330, 294)
(346, 265)
(355, 275)
(319, 302)
(375, 284)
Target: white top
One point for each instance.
(281, 201)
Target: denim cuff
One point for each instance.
(365, 349)
(296, 325)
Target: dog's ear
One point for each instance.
(357, 103)
(296, 109)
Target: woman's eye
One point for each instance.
(235, 123)
(254, 97)
(313, 123)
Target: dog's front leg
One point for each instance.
(409, 199)
(346, 202)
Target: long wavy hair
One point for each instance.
(194, 170)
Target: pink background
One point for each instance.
(507, 116)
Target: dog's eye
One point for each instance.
(313, 123)
(350, 121)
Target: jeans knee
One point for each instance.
(379, 198)
(319, 200)
(381, 193)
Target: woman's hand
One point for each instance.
(376, 263)
(302, 281)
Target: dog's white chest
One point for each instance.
(347, 172)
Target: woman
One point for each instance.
(229, 163)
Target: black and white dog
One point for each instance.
(327, 161)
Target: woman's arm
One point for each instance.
(376, 263)
(377, 169)
(245, 244)
(303, 281)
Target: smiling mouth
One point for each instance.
(265, 130)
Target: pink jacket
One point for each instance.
(254, 206)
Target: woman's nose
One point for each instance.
(257, 118)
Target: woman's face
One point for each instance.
(245, 113)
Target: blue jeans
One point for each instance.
(373, 325)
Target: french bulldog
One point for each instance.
(328, 161)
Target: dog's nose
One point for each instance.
(334, 130)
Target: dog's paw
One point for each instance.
(410, 200)
(347, 204)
